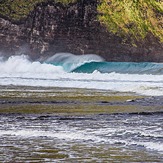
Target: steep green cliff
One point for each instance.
(133, 18)
(130, 19)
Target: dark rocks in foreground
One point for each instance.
(53, 27)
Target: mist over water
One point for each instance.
(83, 71)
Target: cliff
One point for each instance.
(77, 27)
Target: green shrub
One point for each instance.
(17, 9)
(132, 18)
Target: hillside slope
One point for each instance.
(130, 30)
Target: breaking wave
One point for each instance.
(83, 71)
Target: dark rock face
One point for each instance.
(53, 27)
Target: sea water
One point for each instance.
(89, 138)
(120, 137)
(83, 71)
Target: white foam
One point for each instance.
(18, 70)
(65, 135)
(158, 146)
(21, 64)
(82, 136)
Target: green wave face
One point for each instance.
(90, 63)
(121, 67)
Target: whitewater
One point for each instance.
(116, 116)
(83, 71)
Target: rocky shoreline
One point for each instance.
(53, 27)
(67, 101)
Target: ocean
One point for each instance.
(80, 108)
(84, 71)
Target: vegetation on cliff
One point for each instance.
(133, 18)
(128, 18)
(18, 9)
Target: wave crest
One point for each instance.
(70, 62)
(22, 64)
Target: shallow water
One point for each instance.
(79, 125)
(89, 138)
(80, 109)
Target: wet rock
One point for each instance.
(105, 102)
(43, 117)
(130, 100)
